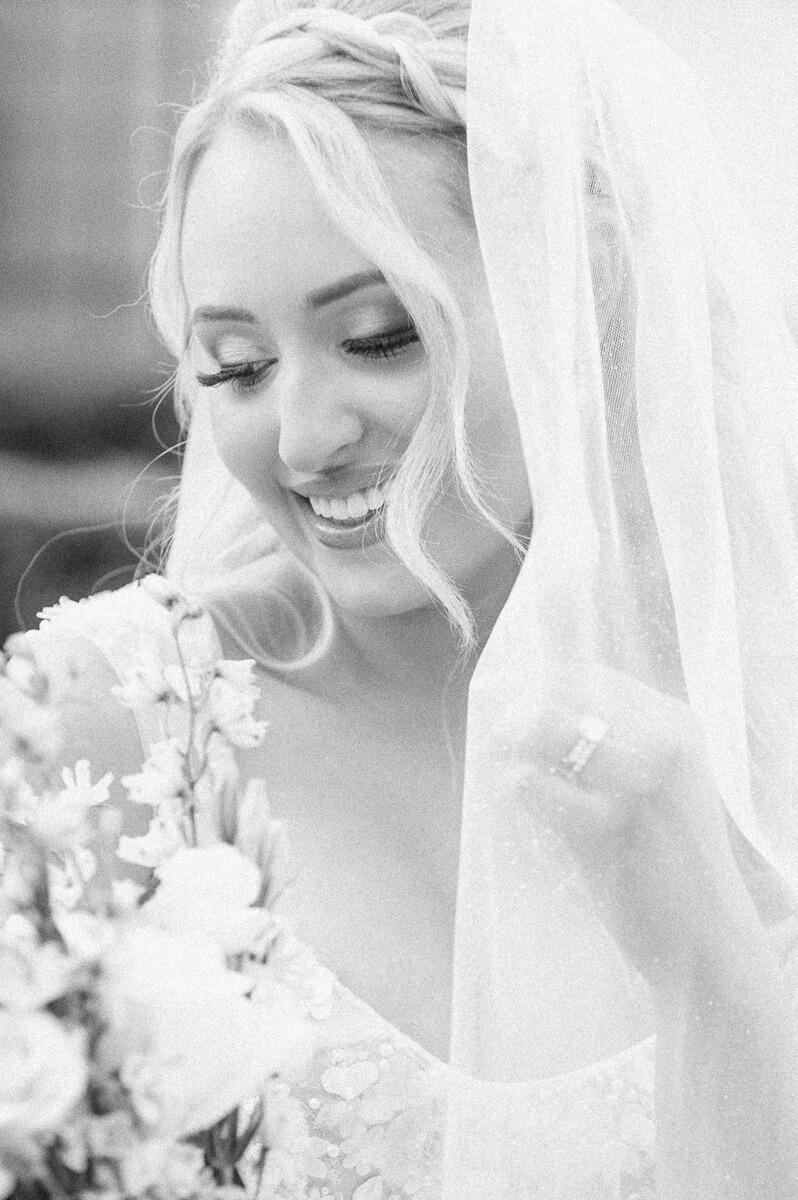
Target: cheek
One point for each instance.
(246, 446)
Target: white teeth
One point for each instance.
(357, 506)
(352, 508)
(320, 506)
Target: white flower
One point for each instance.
(239, 671)
(162, 778)
(263, 840)
(79, 787)
(44, 1075)
(180, 606)
(230, 709)
(111, 1135)
(144, 685)
(174, 1170)
(53, 672)
(60, 825)
(186, 682)
(19, 930)
(31, 974)
(22, 672)
(210, 890)
(19, 799)
(216, 874)
(72, 1149)
(60, 821)
(221, 764)
(126, 895)
(86, 935)
(163, 839)
(160, 590)
(68, 879)
(178, 1015)
(10, 698)
(12, 772)
(141, 1076)
(33, 728)
(294, 967)
(17, 883)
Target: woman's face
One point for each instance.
(316, 379)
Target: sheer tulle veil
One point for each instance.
(656, 383)
(656, 387)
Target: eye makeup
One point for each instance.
(385, 346)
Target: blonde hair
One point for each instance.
(323, 77)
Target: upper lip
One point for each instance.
(339, 491)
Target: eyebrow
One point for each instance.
(217, 312)
(315, 300)
(344, 287)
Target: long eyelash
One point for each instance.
(388, 346)
(244, 376)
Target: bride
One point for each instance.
(491, 468)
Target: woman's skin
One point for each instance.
(364, 754)
(330, 414)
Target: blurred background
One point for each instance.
(88, 96)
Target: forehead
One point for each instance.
(252, 205)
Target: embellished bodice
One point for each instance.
(367, 1119)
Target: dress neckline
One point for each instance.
(317, 988)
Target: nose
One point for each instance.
(319, 420)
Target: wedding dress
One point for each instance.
(366, 1121)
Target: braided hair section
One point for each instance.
(388, 67)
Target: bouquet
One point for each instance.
(140, 1032)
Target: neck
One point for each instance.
(404, 651)
(418, 650)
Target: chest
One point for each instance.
(371, 802)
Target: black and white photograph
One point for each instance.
(399, 600)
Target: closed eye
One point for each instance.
(386, 346)
(245, 376)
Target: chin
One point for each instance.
(373, 592)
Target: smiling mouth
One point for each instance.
(342, 524)
(339, 522)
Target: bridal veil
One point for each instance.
(656, 383)
(656, 387)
